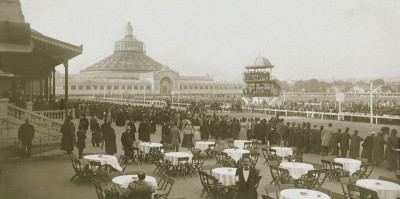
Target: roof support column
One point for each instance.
(66, 87)
(54, 84)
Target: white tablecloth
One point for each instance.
(121, 183)
(236, 154)
(302, 193)
(225, 175)
(103, 159)
(145, 146)
(173, 156)
(385, 189)
(240, 143)
(350, 165)
(202, 145)
(296, 169)
(283, 151)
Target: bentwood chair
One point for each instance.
(164, 193)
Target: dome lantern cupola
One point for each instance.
(129, 43)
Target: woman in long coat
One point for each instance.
(109, 139)
(243, 129)
(355, 141)
(368, 145)
(187, 136)
(68, 135)
(379, 148)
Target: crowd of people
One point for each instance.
(380, 107)
(256, 76)
(196, 126)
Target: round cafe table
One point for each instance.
(225, 175)
(384, 189)
(350, 165)
(240, 143)
(145, 146)
(120, 183)
(302, 193)
(173, 156)
(283, 151)
(296, 169)
(103, 159)
(202, 145)
(236, 154)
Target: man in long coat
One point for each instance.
(68, 134)
(355, 141)
(344, 142)
(379, 147)
(26, 133)
(132, 127)
(109, 140)
(298, 139)
(326, 137)
(285, 134)
(144, 131)
(368, 146)
(175, 137)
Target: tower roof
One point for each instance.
(260, 62)
(129, 56)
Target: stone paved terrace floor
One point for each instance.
(42, 178)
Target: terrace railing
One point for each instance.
(51, 126)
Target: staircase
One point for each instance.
(47, 131)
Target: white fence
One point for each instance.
(332, 116)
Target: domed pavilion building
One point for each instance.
(129, 71)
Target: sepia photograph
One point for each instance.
(199, 99)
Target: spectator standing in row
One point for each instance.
(26, 133)
(285, 134)
(344, 142)
(379, 145)
(392, 155)
(326, 136)
(368, 146)
(355, 141)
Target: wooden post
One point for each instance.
(66, 87)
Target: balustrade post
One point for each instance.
(29, 106)
(3, 107)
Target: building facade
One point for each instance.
(129, 71)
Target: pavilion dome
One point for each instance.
(129, 56)
(260, 62)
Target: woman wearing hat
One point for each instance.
(243, 129)
(187, 135)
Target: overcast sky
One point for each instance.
(303, 38)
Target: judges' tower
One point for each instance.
(261, 86)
